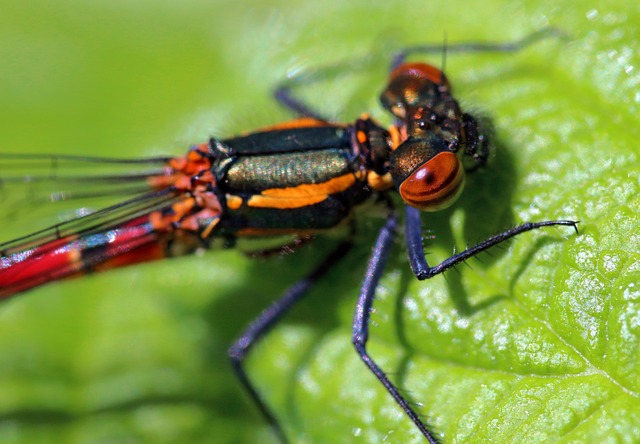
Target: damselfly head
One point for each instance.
(419, 96)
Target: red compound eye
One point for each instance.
(434, 185)
(422, 71)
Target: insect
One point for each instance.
(301, 178)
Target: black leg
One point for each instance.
(265, 322)
(284, 93)
(419, 265)
(542, 34)
(361, 319)
(285, 97)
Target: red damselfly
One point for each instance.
(300, 178)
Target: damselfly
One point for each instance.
(299, 178)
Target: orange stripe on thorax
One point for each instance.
(303, 195)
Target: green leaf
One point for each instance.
(536, 342)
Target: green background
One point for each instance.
(537, 342)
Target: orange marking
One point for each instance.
(156, 221)
(361, 136)
(194, 155)
(283, 203)
(207, 231)
(233, 202)
(75, 258)
(181, 171)
(182, 182)
(396, 137)
(203, 147)
(183, 207)
(378, 182)
(302, 195)
(302, 122)
(178, 163)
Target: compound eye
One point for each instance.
(422, 72)
(434, 185)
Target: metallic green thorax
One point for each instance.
(317, 173)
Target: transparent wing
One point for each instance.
(46, 197)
